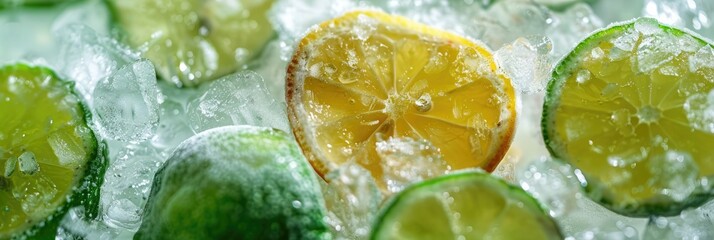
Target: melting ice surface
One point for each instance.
(528, 37)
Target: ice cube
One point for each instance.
(405, 160)
(552, 183)
(675, 173)
(236, 99)
(173, 126)
(690, 224)
(527, 62)
(127, 183)
(126, 103)
(557, 186)
(700, 111)
(272, 65)
(352, 199)
(87, 57)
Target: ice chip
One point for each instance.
(406, 160)
(675, 173)
(28, 163)
(352, 199)
(654, 51)
(68, 150)
(626, 41)
(647, 26)
(127, 183)
(700, 111)
(126, 103)
(552, 183)
(86, 57)
(703, 58)
(527, 63)
(241, 98)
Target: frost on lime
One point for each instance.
(650, 101)
(235, 182)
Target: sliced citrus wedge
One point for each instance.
(466, 205)
(48, 155)
(194, 41)
(368, 76)
(631, 108)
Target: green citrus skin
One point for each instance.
(464, 205)
(615, 137)
(41, 114)
(237, 182)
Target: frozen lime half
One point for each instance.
(193, 41)
(237, 182)
(49, 157)
(632, 108)
(464, 205)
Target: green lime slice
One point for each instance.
(465, 205)
(631, 108)
(236, 182)
(49, 157)
(193, 41)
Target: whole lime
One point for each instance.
(237, 182)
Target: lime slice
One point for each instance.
(48, 156)
(237, 182)
(629, 107)
(464, 205)
(193, 41)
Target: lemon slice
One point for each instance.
(194, 41)
(368, 76)
(628, 107)
(49, 157)
(466, 205)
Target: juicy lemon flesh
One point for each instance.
(195, 41)
(465, 206)
(395, 78)
(613, 120)
(42, 145)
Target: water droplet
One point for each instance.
(583, 76)
(423, 104)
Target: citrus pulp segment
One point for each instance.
(236, 182)
(194, 41)
(628, 107)
(367, 77)
(48, 154)
(465, 205)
